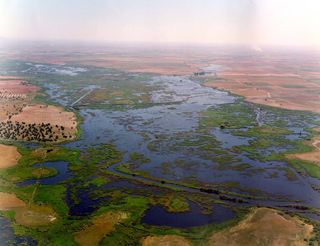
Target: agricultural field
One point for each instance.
(158, 147)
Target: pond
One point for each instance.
(158, 216)
(62, 175)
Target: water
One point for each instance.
(62, 175)
(158, 216)
(298, 133)
(164, 124)
(133, 130)
(7, 236)
(86, 205)
(228, 140)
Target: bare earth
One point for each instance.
(264, 226)
(101, 226)
(9, 156)
(166, 240)
(16, 106)
(14, 95)
(46, 114)
(290, 81)
(9, 201)
(35, 215)
(15, 85)
(53, 122)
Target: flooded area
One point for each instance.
(133, 130)
(8, 237)
(156, 131)
(62, 173)
(160, 217)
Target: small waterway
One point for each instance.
(62, 174)
(228, 140)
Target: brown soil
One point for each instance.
(46, 114)
(281, 89)
(100, 227)
(264, 227)
(41, 172)
(9, 201)
(14, 95)
(166, 240)
(64, 124)
(15, 98)
(9, 156)
(35, 215)
(8, 109)
(17, 86)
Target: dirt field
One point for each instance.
(9, 156)
(40, 123)
(35, 215)
(101, 226)
(167, 240)
(22, 120)
(288, 93)
(14, 95)
(16, 86)
(289, 80)
(10, 201)
(264, 227)
(47, 114)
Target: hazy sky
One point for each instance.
(254, 22)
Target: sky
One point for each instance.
(253, 22)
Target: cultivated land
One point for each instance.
(167, 240)
(265, 226)
(161, 160)
(9, 156)
(10, 201)
(289, 82)
(22, 119)
(101, 226)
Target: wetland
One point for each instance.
(158, 155)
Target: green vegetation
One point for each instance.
(305, 168)
(24, 169)
(91, 177)
(99, 181)
(293, 86)
(235, 115)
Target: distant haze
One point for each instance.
(252, 22)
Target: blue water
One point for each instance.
(158, 216)
(86, 205)
(171, 122)
(62, 175)
(7, 236)
(228, 140)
